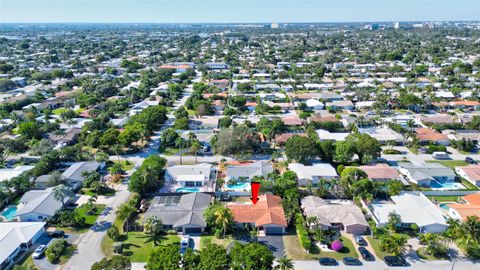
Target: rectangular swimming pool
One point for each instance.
(9, 212)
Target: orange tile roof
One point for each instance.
(380, 171)
(465, 103)
(472, 198)
(466, 210)
(268, 210)
(473, 172)
(426, 134)
(175, 67)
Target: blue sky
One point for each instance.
(204, 11)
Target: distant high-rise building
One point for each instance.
(274, 26)
(396, 25)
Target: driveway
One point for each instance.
(274, 243)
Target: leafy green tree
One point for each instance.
(116, 262)
(393, 220)
(168, 137)
(190, 259)
(240, 141)
(148, 177)
(250, 257)
(344, 151)
(62, 193)
(366, 147)
(219, 218)
(327, 150)
(132, 133)
(213, 257)
(393, 243)
(301, 148)
(164, 258)
(284, 263)
(110, 137)
(29, 130)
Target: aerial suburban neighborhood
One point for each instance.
(240, 146)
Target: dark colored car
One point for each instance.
(351, 261)
(470, 160)
(56, 234)
(325, 261)
(366, 255)
(395, 261)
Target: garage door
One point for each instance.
(274, 230)
(193, 230)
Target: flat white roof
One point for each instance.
(6, 174)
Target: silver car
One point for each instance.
(37, 254)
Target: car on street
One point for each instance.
(326, 261)
(470, 160)
(366, 255)
(38, 253)
(395, 261)
(351, 261)
(360, 241)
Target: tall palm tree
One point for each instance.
(471, 231)
(284, 263)
(195, 147)
(224, 218)
(123, 212)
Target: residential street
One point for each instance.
(89, 244)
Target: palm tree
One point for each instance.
(61, 192)
(284, 263)
(470, 230)
(123, 212)
(195, 147)
(153, 227)
(393, 243)
(313, 220)
(224, 218)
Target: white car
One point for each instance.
(185, 242)
(39, 252)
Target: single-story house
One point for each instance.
(189, 175)
(69, 137)
(266, 215)
(16, 237)
(37, 205)
(248, 171)
(413, 208)
(283, 138)
(341, 104)
(345, 216)
(471, 173)
(314, 104)
(207, 122)
(41, 182)
(380, 172)
(74, 174)
(470, 206)
(426, 135)
(183, 213)
(325, 135)
(383, 135)
(426, 173)
(9, 173)
(314, 173)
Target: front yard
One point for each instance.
(89, 216)
(137, 245)
(294, 251)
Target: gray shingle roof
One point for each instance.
(74, 172)
(188, 210)
(258, 168)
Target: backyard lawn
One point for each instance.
(441, 198)
(126, 165)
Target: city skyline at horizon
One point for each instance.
(246, 11)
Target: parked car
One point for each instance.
(395, 261)
(470, 160)
(56, 234)
(351, 261)
(360, 241)
(185, 242)
(366, 255)
(38, 253)
(326, 261)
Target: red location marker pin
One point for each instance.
(255, 187)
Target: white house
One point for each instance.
(471, 173)
(16, 237)
(426, 173)
(37, 205)
(314, 104)
(314, 173)
(325, 135)
(413, 208)
(189, 175)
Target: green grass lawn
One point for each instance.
(450, 163)
(59, 111)
(126, 165)
(295, 251)
(375, 244)
(27, 260)
(429, 257)
(137, 245)
(444, 198)
(170, 151)
(222, 242)
(89, 219)
(467, 184)
(104, 192)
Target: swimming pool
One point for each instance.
(445, 185)
(186, 190)
(240, 186)
(444, 206)
(9, 212)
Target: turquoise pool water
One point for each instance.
(239, 186)
(445, 185)
(444, 206)
(9, 212)
(187, 190)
